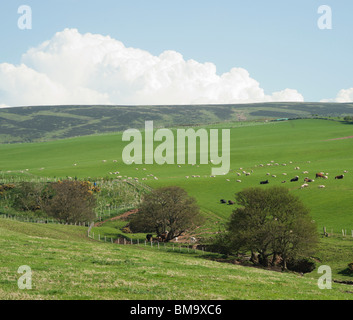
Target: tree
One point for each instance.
(167, 209)
(271, 223)
(70, 201)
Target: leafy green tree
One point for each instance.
(271, 223)
(168, 209)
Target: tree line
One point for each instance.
(270, 225)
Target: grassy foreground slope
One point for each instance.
(67, 265)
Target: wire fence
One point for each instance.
(344, 233)
(171, 247)
(42, 220)
(174, 247)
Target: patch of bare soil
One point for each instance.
(349, 137)
(123, 216)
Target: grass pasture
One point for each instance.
(297, 141)
(76, 267)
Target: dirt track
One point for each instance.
(121, 217)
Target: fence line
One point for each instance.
(158, 245)
(327, 232)
(41, 220)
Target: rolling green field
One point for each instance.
(311, 145)
(305, 143)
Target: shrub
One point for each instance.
(70, 201)
(304, 265)
(27, 196)
(126, 229)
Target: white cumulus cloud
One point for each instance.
(343, 96)
(75, 68)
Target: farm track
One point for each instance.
(120, 217)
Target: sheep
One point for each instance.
(238, 180)
(322, 186)
(305, 185)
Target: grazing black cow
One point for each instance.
(295, 179)
(340, 177)
(223, 201)
(230, 202)
(264, 182)
(149, 237)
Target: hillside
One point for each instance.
(313, 145)
(67, 265)
(41, 123)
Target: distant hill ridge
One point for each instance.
(41, 123)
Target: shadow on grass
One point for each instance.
(346, 272)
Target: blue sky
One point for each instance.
(277, 42)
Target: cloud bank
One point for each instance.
(75, 68)
(343, 96)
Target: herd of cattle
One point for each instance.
(161, 238)
(319, 175)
